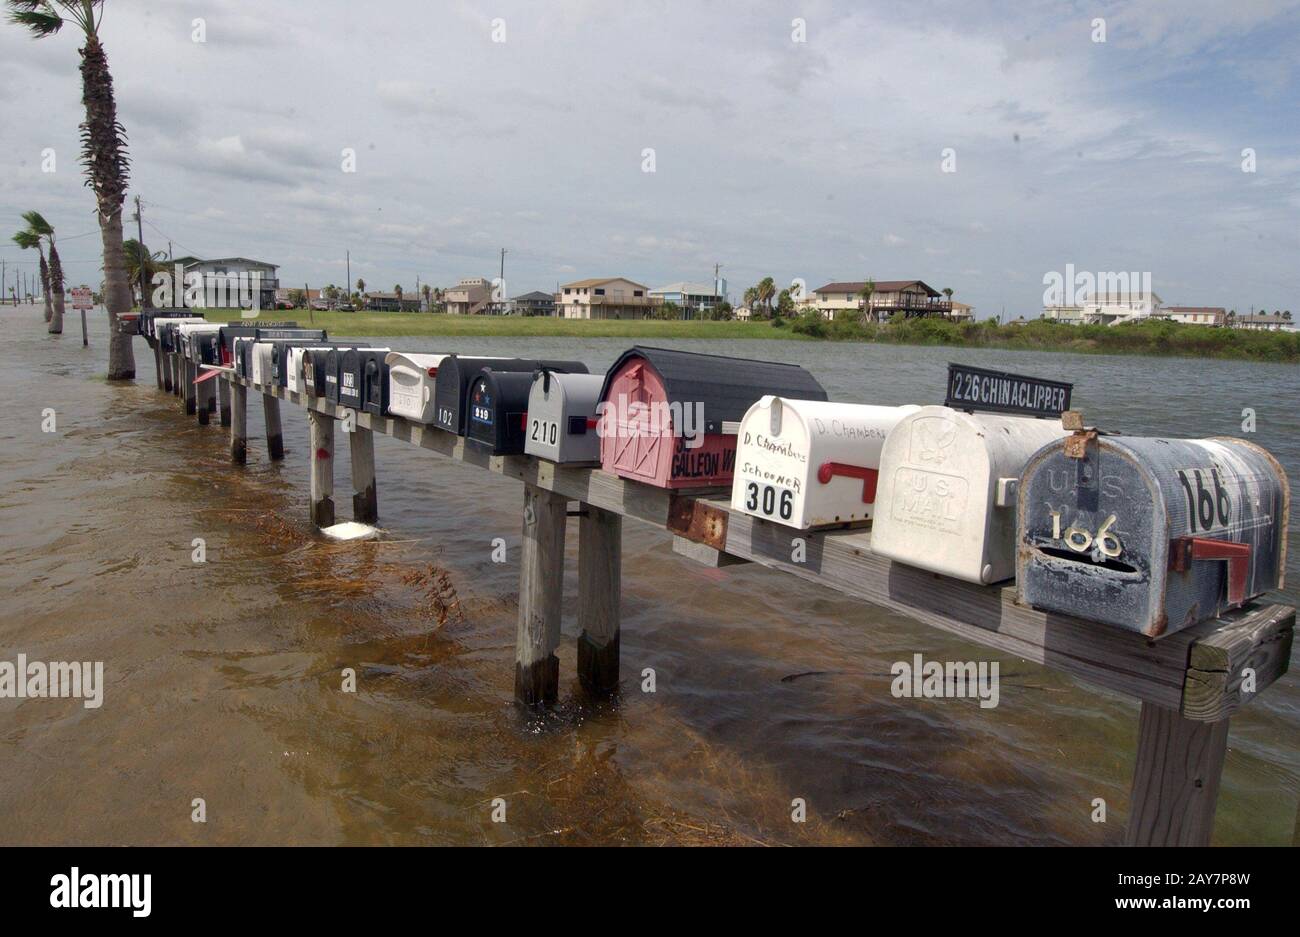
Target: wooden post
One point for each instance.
(157, 363)
(191, 392)
(173, 377)
(223, 393)
(204, 396)
(164, 367)
(365, 499)
(320, 428)
(238, 423)
(1176, 779)
(274, 438)
(541, 575)
(600, 554)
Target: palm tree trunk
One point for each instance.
(104, 153)
(56, 286)
(45, 286)
(117, 299)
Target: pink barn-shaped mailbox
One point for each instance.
(662, 412)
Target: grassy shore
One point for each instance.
(1167, 339)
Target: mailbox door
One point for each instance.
(633, 445)
(545, 419)
(350, 379)
(374, 386)
(332, 363)
(410, 393)
(772, 464)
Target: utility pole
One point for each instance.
(144, 265)
(348, 285)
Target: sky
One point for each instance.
(976, 146)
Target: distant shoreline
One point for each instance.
(1161, 339)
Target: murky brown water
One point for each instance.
(223, 679)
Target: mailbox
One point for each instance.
(347, 367)
(947, 491)
(148, 321)
(1150, 535)
(809, 463)
(374, 380)
(242, 352)
(261, 361)
(497, 410)
(165, 332)
(455, 373)
(562, 417)
(315, 365)
(662, 412)
(411, 385)
(297, 356)
(186, 336)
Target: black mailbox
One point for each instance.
(343, 375)
(374, 381)
(497, 410)
(451, 389)
(314, 365)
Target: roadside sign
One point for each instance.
(82, 298)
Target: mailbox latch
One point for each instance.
(1186, 549)
(828, 470)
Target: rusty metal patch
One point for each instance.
(1076, 446)
(697, 521)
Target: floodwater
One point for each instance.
(223, 679)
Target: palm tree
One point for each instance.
(138, 257)
(361, 286)
(764, 292)
(397, 290)
(26, 239)
(868, 288)
(103, 152)
(37, 225)
(427, 290)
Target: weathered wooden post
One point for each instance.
(157, 363)
(223, 393)
(274, 438)
(365, 499)
(238, 423)
(541, 580)
(191, 392)
(173, 378)
(203, 394)
(1176, 779)
(600, 555)
(320, 428)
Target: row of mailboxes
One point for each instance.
(455, 374)
(149, 320)
(1150, 535)
(811, 463)
(663, 412)
(411, 385)
(562, 417)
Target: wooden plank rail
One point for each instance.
(1189, 683)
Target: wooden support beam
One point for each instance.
(158, 363)
(191, 393)
(321, 441)
(1175, 780)
(1229, 666)
(238, 423)
(223, 393)
(541, 581)
(274, 437)
(600, 563)
(205, 397)
(365, 498)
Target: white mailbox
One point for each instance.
(411, 385)
(561, 423)
(810, 463)
(293, 380)
(261, 363)
(947, 495)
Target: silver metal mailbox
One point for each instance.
(562, 417)
(1150, 535)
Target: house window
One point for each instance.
(638, 292)
(600, 292)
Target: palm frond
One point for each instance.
(27, 239)
(37, 16)
(36, 222)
